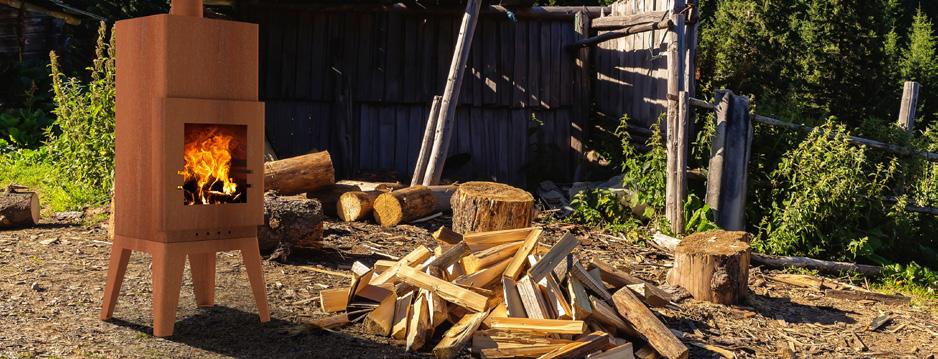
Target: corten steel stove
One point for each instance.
(189, 162)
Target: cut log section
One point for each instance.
(409, 204)
(713, 266)
(293, 221)
(329, 196)
(19, 207)
(488, 206)
(299, 174)
(353, 206)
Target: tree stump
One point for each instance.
(489, 206)
(299, 174)
(713, 266)
(293, 221)
(19, 207)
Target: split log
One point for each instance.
(645, 323)
(299, 174)
(409, 204)
(489, 206)
(19, 207)
(458, 335)
(293, 221)
(713, 266)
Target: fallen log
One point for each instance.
(19, 207)
(713, 266)
(355, 205)
(294, 221)
(647, 324)
(489, 206)
(299, 174)
(409, 204)
(329, 196)
(667, 243)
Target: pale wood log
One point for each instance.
(489, 206)
(401, 314)
(517, 261)
(380, 320)
(479, 260)
(456, 337)
(446, 119)
(645, 323)
(293, 221)
(484, 277)
(446, 290)
(513, 301)
(713, 266)
(329, 196)
(415, 257)
(19, 207)
(420, 169)
(546, 326)
(557, 254)
(676, 140)
(334, 300)
(581, 347)
(419, 322)
(484, 240)
(532, 299)
(623, 351)
(299, 174)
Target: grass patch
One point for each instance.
(28, 168)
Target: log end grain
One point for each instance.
(402, 206)
(489, 206)
(356, 205)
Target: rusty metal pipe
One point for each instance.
(186, 8)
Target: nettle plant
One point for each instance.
(82, 136)
(827, 199)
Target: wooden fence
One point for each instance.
(358, 81)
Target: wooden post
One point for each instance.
(907, 107)
(676, 127)
(729, 160)
(421, 168)
(580, 124)
(444, 130)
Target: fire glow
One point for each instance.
(207, 171)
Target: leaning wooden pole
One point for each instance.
(444, 128)
(420, 170)
(907, 108)
(729, 160)
(675, 190)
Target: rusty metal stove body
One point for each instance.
(186, 83)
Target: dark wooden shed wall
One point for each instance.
(368, 78)
(34, 35)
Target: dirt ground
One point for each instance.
(52, 278)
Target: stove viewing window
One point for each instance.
(215, 170)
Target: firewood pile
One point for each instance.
(504, 294)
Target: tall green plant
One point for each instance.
(81, 141)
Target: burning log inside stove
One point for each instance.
(215, 165)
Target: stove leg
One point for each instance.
(168, 266)
(203, 278)
(115, 277)
(251, 254)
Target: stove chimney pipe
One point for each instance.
(186, 8)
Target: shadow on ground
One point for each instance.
(238, 334)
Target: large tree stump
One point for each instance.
(299, 174)
(489, 206)
(412, 203)
(19, 207)
(293, 221)
(713, 266)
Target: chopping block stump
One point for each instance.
(169, 260)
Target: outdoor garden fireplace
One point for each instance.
(189, 161)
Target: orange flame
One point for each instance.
(208, 161)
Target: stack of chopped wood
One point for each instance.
(504, 294)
